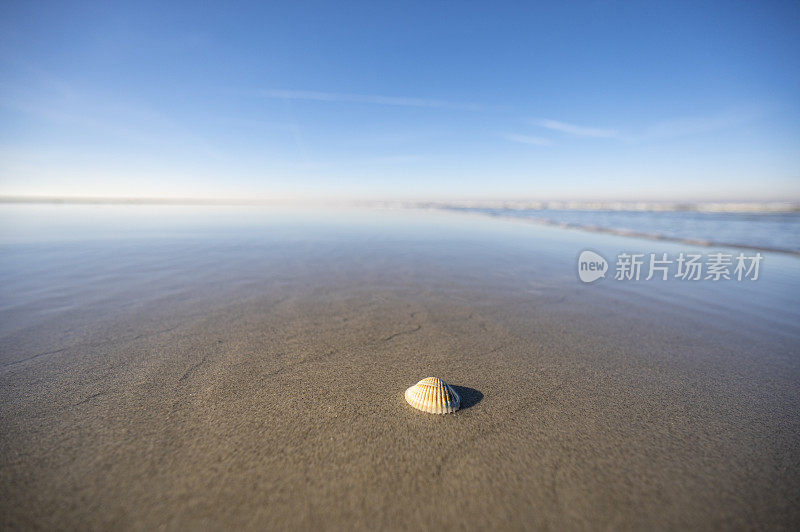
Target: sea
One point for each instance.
(762, 227)
(69, 261)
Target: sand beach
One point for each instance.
(253, 378)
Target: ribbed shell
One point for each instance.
(434, 396)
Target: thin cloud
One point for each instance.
(527, 139)
(366, 98)
(579, 131)
(394, 159)
(673, 128)
(687, 126)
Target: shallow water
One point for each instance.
(55, 259)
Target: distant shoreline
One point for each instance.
(138, 201)
(754, 207)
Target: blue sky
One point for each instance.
(428, 100)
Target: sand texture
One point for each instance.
(271, 396)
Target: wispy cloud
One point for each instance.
(527, 139)
(671, 128)
(696, 125)
(367, 98)
(579, 131)
(394, 159)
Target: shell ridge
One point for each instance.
(433, 395)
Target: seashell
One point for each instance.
(434, 396)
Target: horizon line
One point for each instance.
(511, 204)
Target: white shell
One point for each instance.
(434, 396)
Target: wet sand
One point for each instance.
(258, 383)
